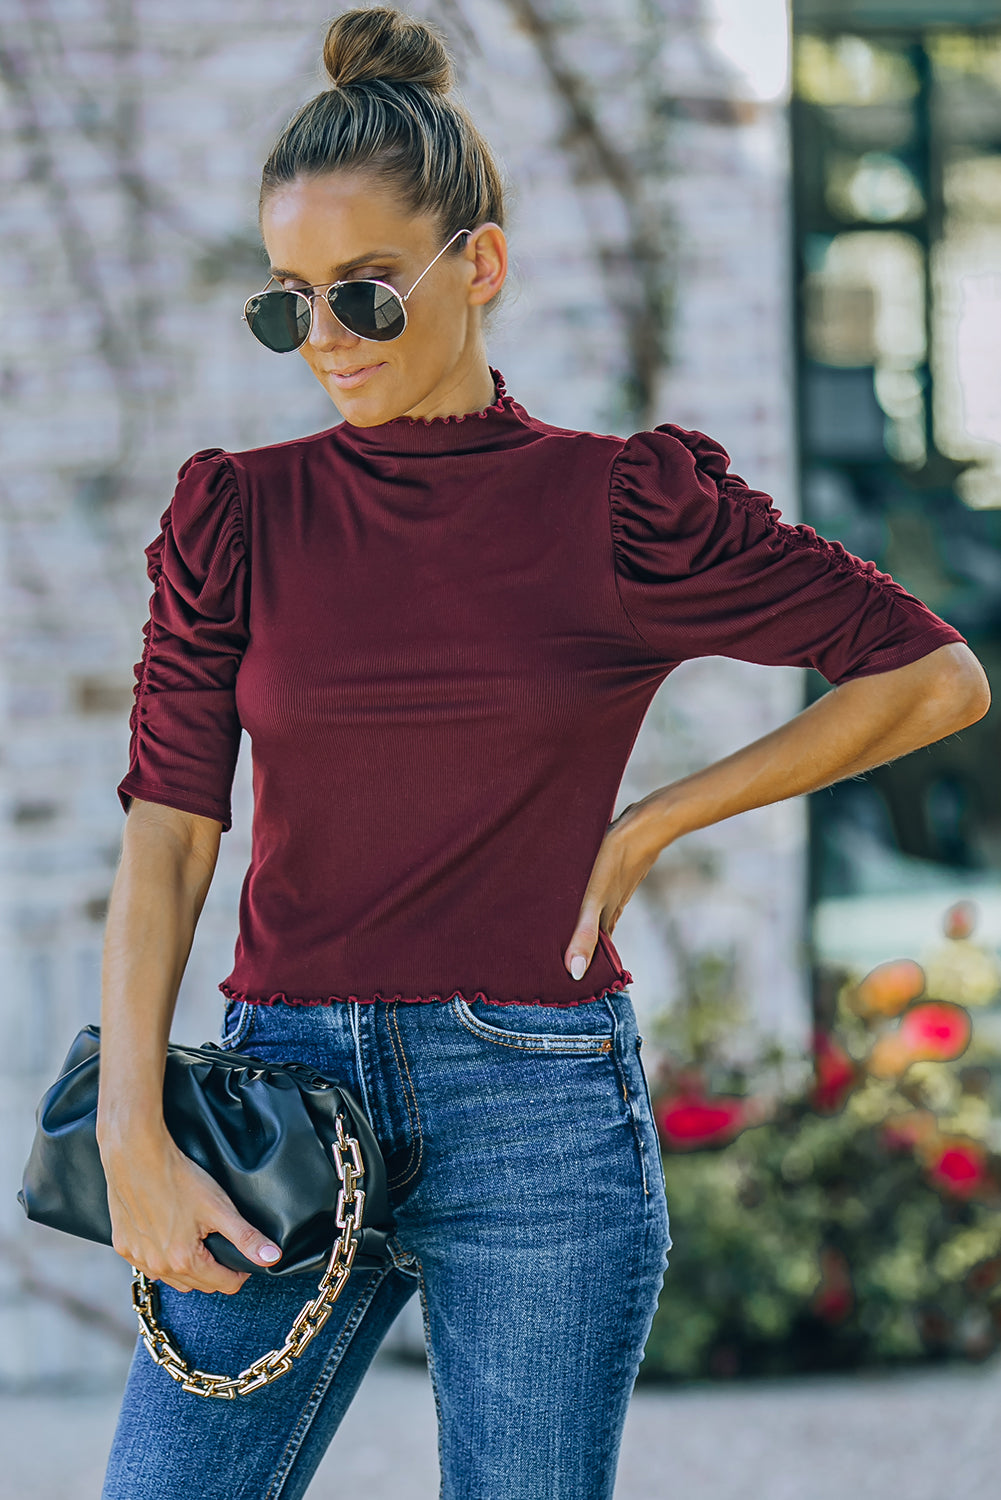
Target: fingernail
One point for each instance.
(269, 1253)
(577, 965)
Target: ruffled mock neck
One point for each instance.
(502, 424)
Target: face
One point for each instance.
(347, 226)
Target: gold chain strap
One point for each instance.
(309, 1320)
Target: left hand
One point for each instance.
(623, 859)
(861, 724)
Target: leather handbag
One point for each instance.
(290, 1146)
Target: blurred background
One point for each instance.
(784, 229)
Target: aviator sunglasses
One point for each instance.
(371, 309)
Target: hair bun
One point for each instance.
(381, 43)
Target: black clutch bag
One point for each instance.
(291, 1147)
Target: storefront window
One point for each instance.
(897, 170)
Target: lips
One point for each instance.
(346, 379)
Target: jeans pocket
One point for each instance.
(586, 1030)
(237, 1024)
(637, 1085)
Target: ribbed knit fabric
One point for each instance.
(442, 637)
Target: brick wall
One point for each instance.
(133, 139)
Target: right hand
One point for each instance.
(163, 1205)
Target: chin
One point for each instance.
(362, 409)
(360, 413)
(365, 413)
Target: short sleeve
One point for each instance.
(185, 730)
(705, 567)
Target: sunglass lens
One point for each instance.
(368, 309)
(279, 319)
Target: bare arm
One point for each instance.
(162, 1204)
(854, 727)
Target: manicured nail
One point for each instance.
(269, 1253)
(577, 965)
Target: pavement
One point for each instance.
(927, 1435)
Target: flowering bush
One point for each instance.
(860, 1222)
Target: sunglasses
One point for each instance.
(371, 309)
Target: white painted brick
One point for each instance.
(74, 593)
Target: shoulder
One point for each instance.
(250, 468)
(215, 485)
(680, 466)
(577, 435)
(289, 450)
(207, 494)
(675, 503)
(202, 528)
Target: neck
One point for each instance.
(494, 425)
(468, 390)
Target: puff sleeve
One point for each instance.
(185, 730)
(706, 568)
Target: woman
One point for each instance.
(441, 622)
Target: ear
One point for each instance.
(486, 250)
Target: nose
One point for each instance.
(328, 332)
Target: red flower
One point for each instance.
(835, 1074)
(834, 1298)
(959, 1167)
(936, 1032)
(690, 1121)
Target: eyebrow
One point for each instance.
(348, 265)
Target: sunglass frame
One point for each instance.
(310, 293)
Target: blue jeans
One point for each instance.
(528, 1195)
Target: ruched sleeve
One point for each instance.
(705, 567)
(185, 731)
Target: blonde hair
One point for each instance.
(389, 111)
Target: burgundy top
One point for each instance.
(442, 637)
